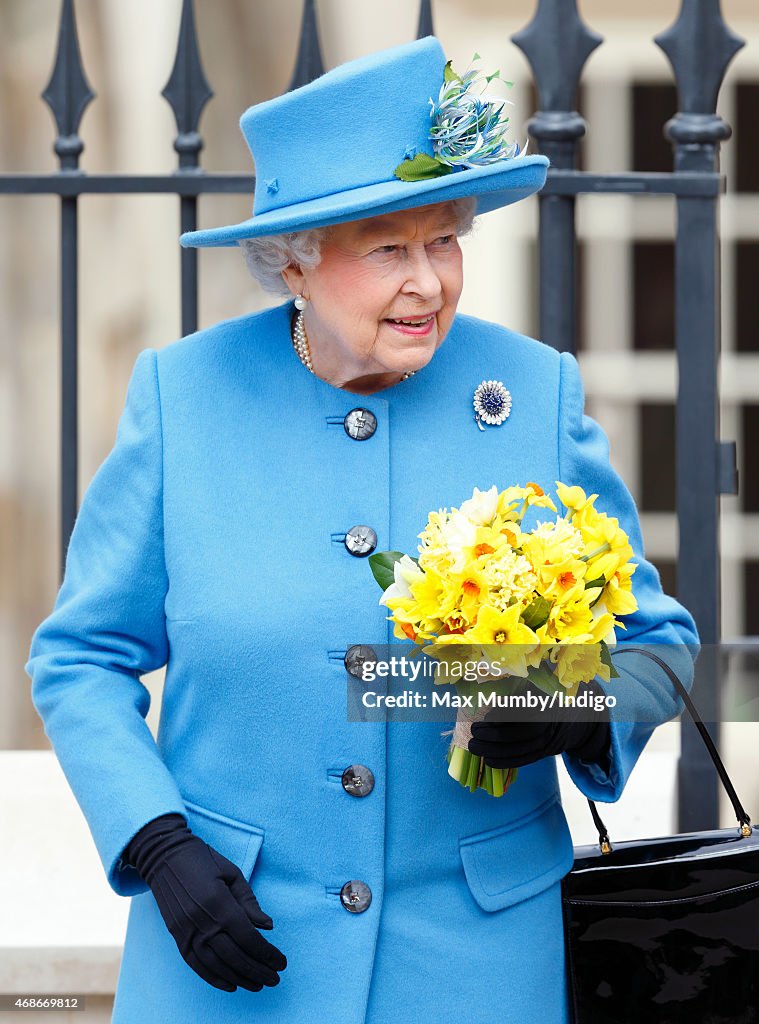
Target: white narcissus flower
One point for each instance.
(459, 533)
(405, 572)
(481, 507)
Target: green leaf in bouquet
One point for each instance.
(606, 659)
(382, 565)
(490, 688)
(535, 615)
(599, 581)
(544, 679)
(469, 690)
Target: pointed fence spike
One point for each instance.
(699, 46)
(68, 92)
(425, 25)
(308, 63)
(187, 90)
(557, 43)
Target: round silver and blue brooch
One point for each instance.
(492, 403)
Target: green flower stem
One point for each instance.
(478, 775)
(606, 546)
(474, 768)
(467, 768)
(456, 762)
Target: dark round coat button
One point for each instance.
(360, 540)
(358, 780)
(355, 657)
(355, 896)
(360, 424)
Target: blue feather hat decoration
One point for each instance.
(369, 138)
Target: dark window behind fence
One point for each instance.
(685, 312)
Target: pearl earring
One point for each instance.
(300, 302)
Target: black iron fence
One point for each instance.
(557, 44)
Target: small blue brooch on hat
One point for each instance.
(492, 403)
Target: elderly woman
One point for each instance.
(284, 862)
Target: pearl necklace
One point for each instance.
(300, 343)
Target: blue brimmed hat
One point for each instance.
(361, 140)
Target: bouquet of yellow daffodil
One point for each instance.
(538, 604)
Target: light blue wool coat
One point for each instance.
(210, 541)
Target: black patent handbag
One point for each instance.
(666, 930)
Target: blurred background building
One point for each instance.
(129, 299)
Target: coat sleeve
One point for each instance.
(106, 629)
(644, 693)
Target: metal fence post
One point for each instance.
(557, 43)
(67, 94)
(699, 47)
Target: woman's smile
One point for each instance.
(418, 327)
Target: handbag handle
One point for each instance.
(740, 813)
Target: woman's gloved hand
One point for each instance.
(521, 740)
(207, 905)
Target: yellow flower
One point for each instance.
(579, 663)
(487, 542)
(510, 579)
(543, 648)
(537, 496)
(429, 600)
(573, 498)
(612, 547)
(607, 546)
(510, 531)
(572, 621)
(562, 535)
(561, 582)
(474, 589)
(403, 617)
(507, 639)
(550, 545)
(432, 596)
(616, 538)
(433, 550)
(603, 622)
(618, 595)
(510, 500)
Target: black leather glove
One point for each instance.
(207, 905)
(520, 741)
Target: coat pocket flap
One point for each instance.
(515, 861)
(235, 840)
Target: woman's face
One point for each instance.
(374, 273)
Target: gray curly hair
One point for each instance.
(267, 257)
